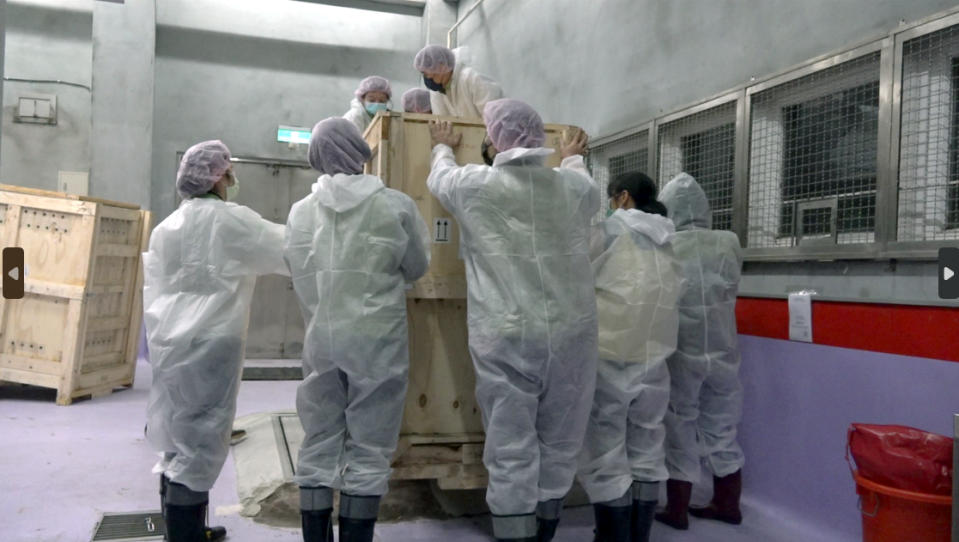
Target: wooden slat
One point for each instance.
(41, 366)
(107, 324)
(72, 349)
(473, 482)
(62, 195)
(417, 440)
(98, 379)
(439, 287)
(53, 289)
(119, 251)
(426, 472)
(29, 377)
(136, 310)
(131, 214)
(113, 358)
(107, 289)
(48, 204)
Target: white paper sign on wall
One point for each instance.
(442, 230)
(800, 317)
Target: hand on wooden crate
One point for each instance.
(441, 133)
(575, 141)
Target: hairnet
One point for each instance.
(435, 59)
(687, 203)
(336, 146)
(512, 123)
(374, 83)
(201, 167)
(417, 100)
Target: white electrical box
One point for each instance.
(74, 182)
(36, 109)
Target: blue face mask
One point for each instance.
(432, 85)
(373, 109)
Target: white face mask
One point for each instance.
(233, 191)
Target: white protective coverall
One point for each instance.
(531, 316)
(468, 91)
(351, 246)
(706, 395)
(358, 115)
(199, 276)
(638, 286)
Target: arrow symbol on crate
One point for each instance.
(15, 273)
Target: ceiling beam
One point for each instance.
(413, 8)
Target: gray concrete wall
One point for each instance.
(607, 65)
(47, 40)
(121, 137)
(235, 74)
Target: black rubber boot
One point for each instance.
(612, 523)
(546, 529)
(317, 525)
(356, 530)
(216, 534)
(547, 519)
(641, 520)
(185, 523)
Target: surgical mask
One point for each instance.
(609, 212)
(233, 191)
(432, 85)
(373, 109)
(484, 150)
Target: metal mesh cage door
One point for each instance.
(928, 207)
(627, 154)
(703, 144)
(815, 138)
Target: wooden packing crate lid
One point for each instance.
(62, 195)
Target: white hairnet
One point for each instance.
(686, 202)
(417, 100)
(336, 146)
(374, 83)
(435, 59)
(512, 123)
(201, 167)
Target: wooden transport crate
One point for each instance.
(77, 327)
(442, 434)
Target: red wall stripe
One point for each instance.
(924, 332)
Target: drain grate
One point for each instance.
(130, 527)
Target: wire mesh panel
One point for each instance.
(929, 138)
(630, 153)
(812, 140)
(703, 144)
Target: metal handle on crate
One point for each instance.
(874, 512)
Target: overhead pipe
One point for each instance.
(449, 35)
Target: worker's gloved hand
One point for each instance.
(441, 133)
(575, 142)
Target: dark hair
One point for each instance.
(639, 187)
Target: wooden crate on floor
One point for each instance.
(77, 327)
(442, 434)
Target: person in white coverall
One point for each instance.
(531, 309)
(456, 90)
(372, 96)
(352, 246)
(199, 275)
(706, 399)
(638, 286)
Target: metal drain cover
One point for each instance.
(130, 527)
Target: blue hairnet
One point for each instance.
(511, 123)
(201, 167)
(336, 146)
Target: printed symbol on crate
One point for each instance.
(442, 229)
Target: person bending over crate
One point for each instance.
(199, 275)
(533, 332)
(351, 245)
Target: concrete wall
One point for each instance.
(233, 70)
(608, 65)
(48, 40)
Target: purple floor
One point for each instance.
(61, 467)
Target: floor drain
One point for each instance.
(130, 527)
